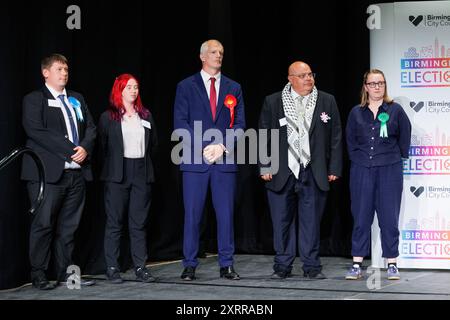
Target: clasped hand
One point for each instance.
(80, 155)
(213, 152)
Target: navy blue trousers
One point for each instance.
(376, 189)
(299, 200)
(195, 190)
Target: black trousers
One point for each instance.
(302, 200)
(55, 222)
(131, 197)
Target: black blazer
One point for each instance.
(325, 140)
(111, 143)
(47, 135)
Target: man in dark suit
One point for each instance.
(310, 157)
(199, 106)
(60, 130)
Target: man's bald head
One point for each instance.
(301, 78)
(298, 67)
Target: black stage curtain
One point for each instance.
(159, 42)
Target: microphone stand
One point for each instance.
(16, 153)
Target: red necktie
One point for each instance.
(212, 97)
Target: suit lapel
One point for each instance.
(283, 129)
(118, 130)
(80, 125)
(223, 91)
(200, 86)
(48, 96)
(147, 133)
(281, 114)
(316, 113)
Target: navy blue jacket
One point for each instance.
(364, 144)
(192, 105)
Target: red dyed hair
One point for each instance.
(116, 107)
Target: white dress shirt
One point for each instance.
(55, 94)
(305, 98)
(207, 82)
(133, 133)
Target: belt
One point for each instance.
(72, 170)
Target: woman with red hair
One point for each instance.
(128, 139)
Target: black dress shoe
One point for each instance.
(229, 273)
(42, 283)
(113, 275)
(314, 275)
(144, 275)
(188, 274)
(278, 275)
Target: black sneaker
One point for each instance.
(229, 273)
(144, 275)
(113, 275)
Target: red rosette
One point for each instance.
(231, 102)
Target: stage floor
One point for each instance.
(255, 284)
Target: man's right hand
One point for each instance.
(266, 177)
(80, 155)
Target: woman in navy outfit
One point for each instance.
(378, 136)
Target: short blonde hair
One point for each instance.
(205, 45)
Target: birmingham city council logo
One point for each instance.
(416, 20)
(417, 191)
(416, 106)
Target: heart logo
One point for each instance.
(415, 20)
(417, 192)
(416, 106)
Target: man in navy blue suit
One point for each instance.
(199, 107)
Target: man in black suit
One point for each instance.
(310, 157)
(61, 131)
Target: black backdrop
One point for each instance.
(159, 42)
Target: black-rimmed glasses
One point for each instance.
(372, 85)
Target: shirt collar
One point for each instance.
(384, 106)
(54, 93)
(295, 95)
(206, 76)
